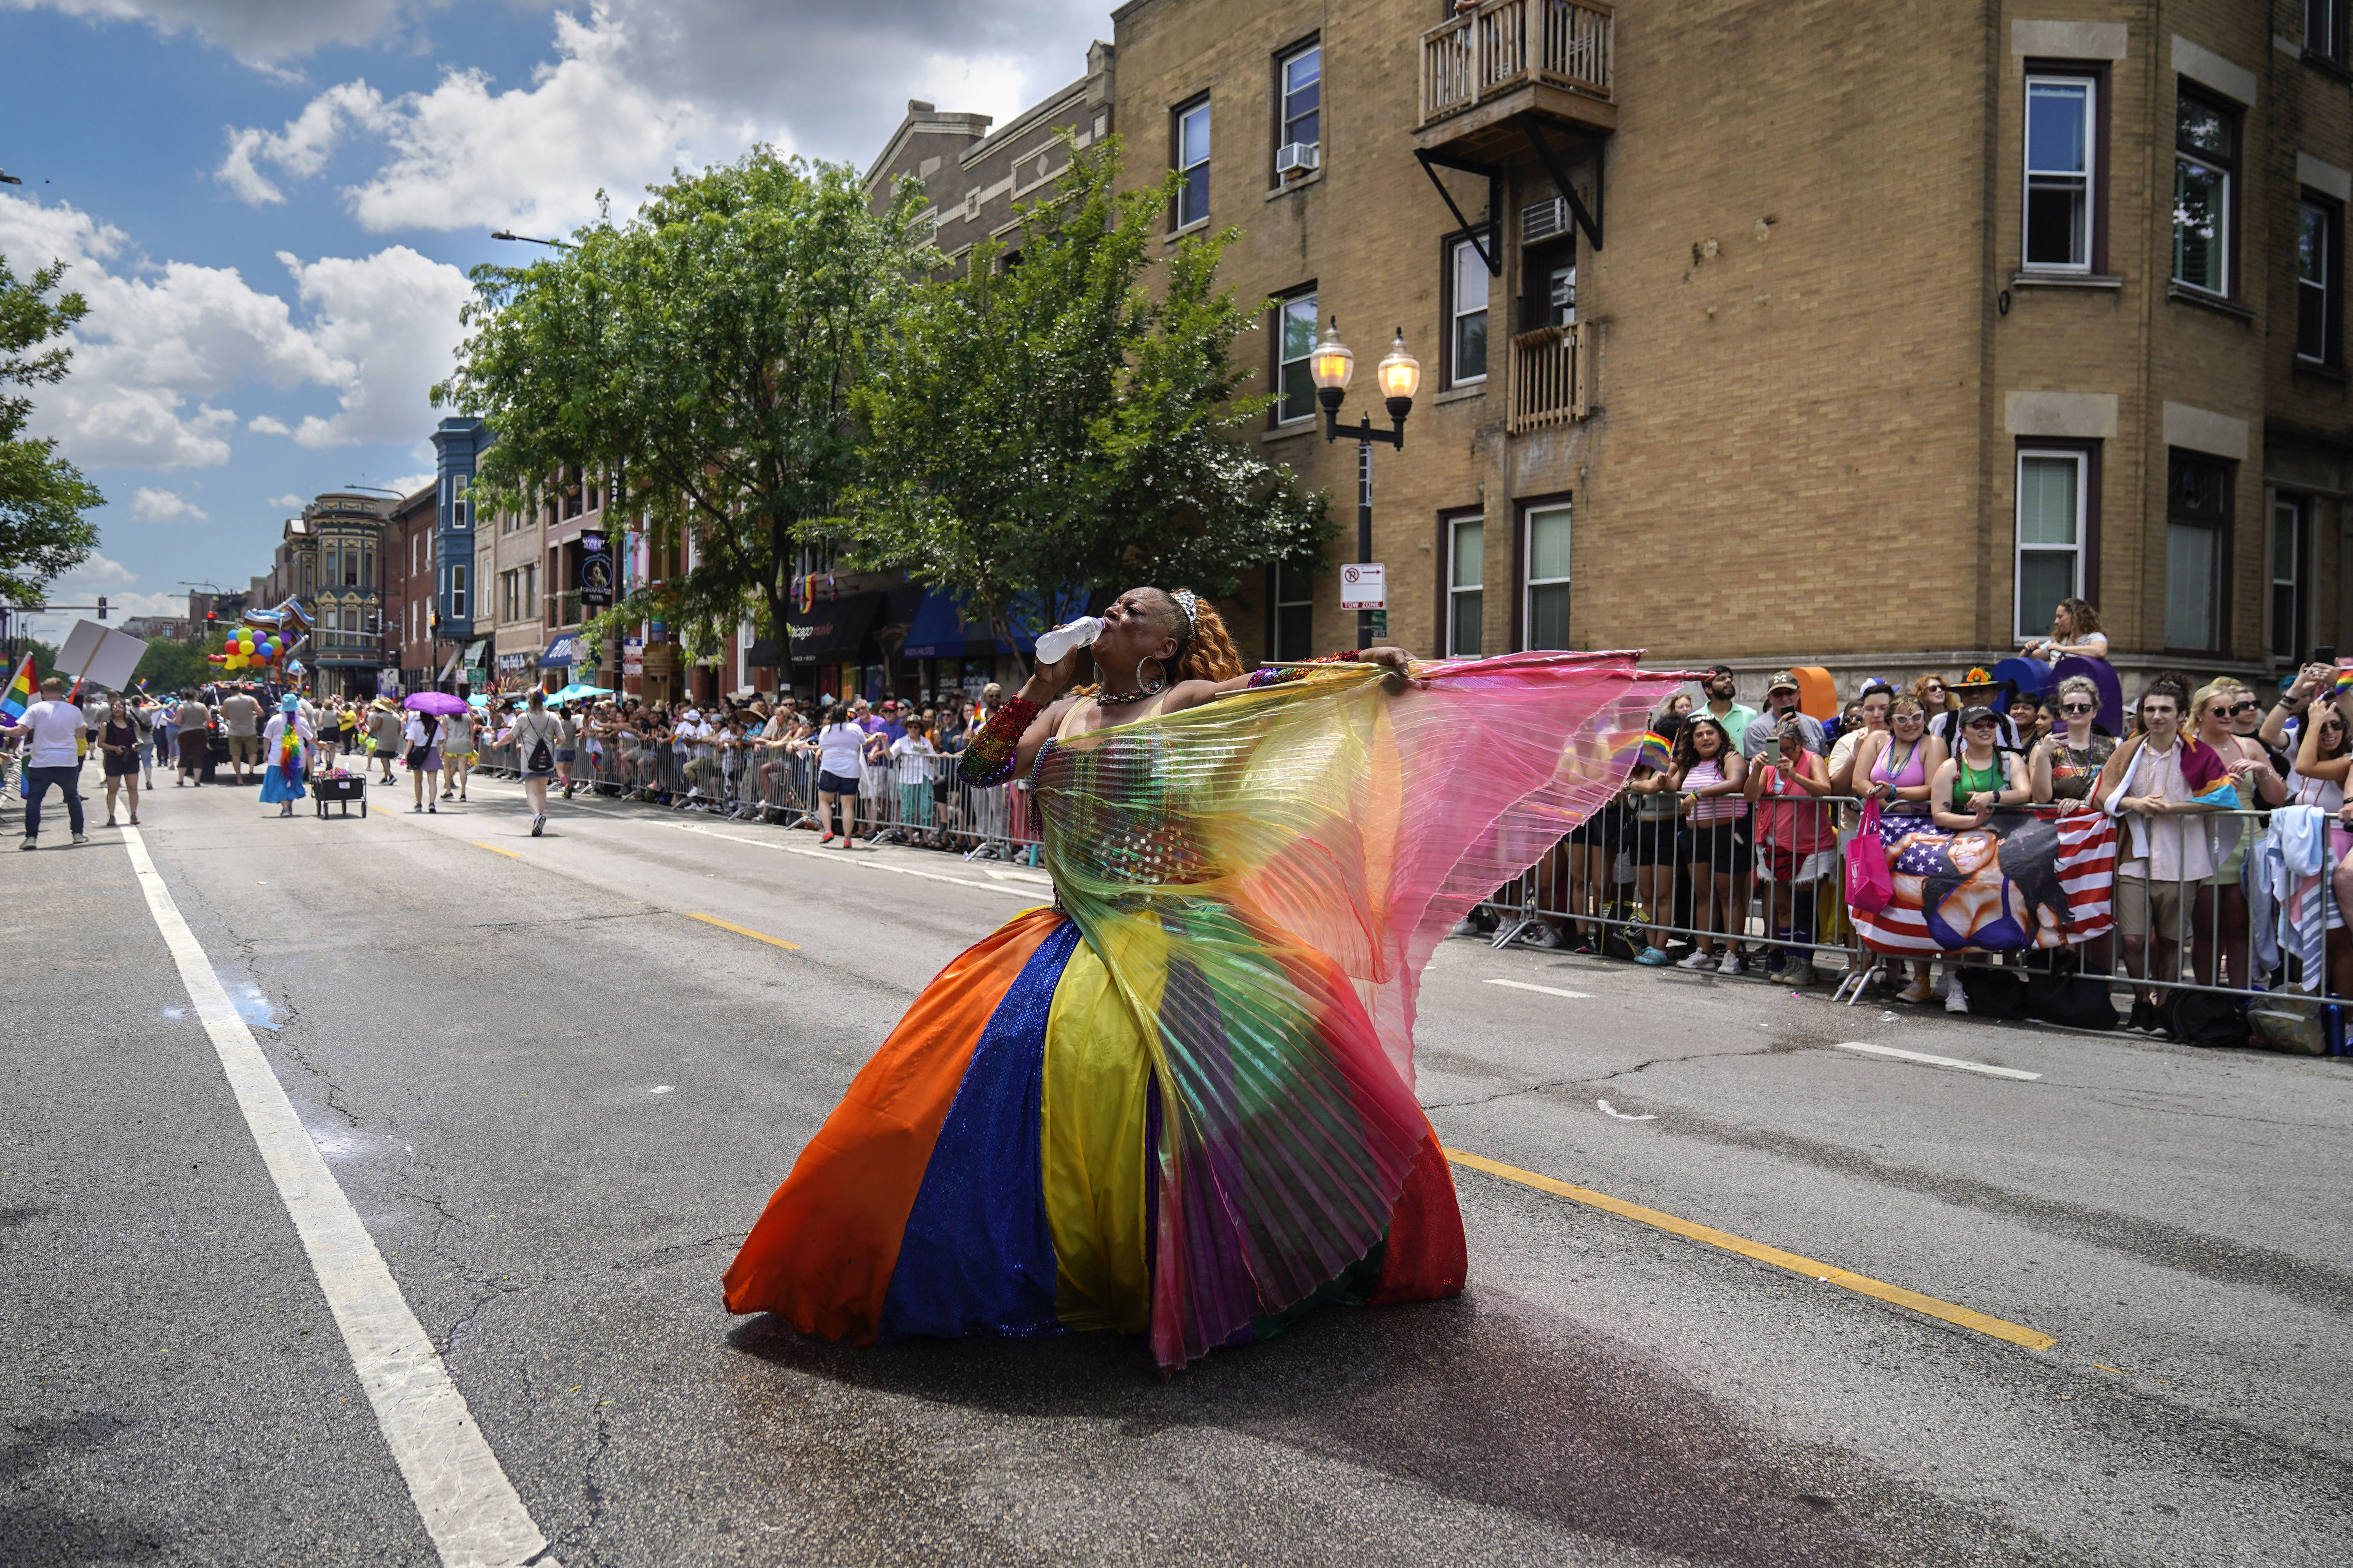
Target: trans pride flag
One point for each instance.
(19, 695)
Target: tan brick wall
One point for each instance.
(1812, 214)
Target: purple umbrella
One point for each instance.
(441, 702)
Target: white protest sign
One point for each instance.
(1363, 587)
(99, 656)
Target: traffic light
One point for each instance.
(101, 606)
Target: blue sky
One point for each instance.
(270, 206)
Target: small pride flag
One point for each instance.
(2345, 677)
(19, 695)
(1656, 753)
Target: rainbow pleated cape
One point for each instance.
(1181, 1103)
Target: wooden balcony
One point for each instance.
(1552, 58)
(1552, 378)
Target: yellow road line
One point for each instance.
(742, 930)
(2017, 1334)
(496, 850)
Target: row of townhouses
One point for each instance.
(1857, 335)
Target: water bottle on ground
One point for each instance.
(1056, 645)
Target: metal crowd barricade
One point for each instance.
(1640, 890)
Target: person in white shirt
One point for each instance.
(55, 729)
(838, 745)
(535, 734)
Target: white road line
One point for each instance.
(1938, 1061)
(468, 1506)
(834, 857)
(1547, 990)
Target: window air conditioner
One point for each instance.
(1297, 158)
(1543, 221)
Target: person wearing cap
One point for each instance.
(1780, 704)
(1730, 715)
(1976, 690)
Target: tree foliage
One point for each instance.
(704, 353)
(43, 530)
(1050, 421)
(172, 666)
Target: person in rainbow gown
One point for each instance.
(1180, 1102)
(284, 743)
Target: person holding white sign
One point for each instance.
(56, 729)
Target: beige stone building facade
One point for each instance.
(1852, 334)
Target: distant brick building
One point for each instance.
(1852, 334)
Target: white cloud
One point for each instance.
(289, 501)
(257, 31)
(465, 155)
(165, 506)
(163, 345)
(393, 317)
(98, 571)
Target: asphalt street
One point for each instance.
(556, 1078)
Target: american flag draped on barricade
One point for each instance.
(2019, 881)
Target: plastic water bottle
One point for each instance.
(1056, 645)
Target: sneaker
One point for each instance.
(416, 810)
(536, 824)
(1777, 963)
(1466, 926)
(1541, 935)
(826, 838)
(1696, 959)
(30, 844)
(1956, 1000)
(434, 809)
(1584, 948)
(1651, 956)
(81, 838)
(1731, 964)
(2142, 1022)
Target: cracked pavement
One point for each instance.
(474, 1043)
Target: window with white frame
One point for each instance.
(509, 596)
(1294, 612)
(1466, 308)
(1192, 161)
(2197, 543)
(2290, 541)
(2060, 111)
(2324, 29)
(530, 590)
(2206, 158)
(458, 485)
(458, 592)
(1466, 557)
(2051, 490)
(2315, 263)
(1294, 379)
(1300, 74)
(1545, 612)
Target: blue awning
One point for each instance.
(558, 655)
(946, 626)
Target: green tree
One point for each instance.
(705, 353)
(1050, 421)
(171, 666)
(42, 497)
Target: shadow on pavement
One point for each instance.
(1487, 1401)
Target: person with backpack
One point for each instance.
(536, 734)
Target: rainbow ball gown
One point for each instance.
(1180, 1103)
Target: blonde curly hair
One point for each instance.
(1205, 649)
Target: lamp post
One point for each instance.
(1399, 376)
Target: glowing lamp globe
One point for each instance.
(1332, 364)
(1400, 373)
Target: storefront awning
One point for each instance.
(946, 626)
(559, 655)
(832, 629)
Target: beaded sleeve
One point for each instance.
(989, 760)
(1276, 674)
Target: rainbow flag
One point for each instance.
(19, 695)
(1656, 752)
(2345, 677)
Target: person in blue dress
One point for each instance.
(285, 751)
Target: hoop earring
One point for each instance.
(1156, 686)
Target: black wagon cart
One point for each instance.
(340, 788)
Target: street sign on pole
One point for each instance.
(1363, 587)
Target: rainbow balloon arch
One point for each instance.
(265, 637)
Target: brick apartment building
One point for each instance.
(1849, 335)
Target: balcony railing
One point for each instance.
(1509, 44)
(1552, 377)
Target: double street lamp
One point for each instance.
(1399, 376)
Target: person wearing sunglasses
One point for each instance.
(2218, 709)
(2064, 765)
